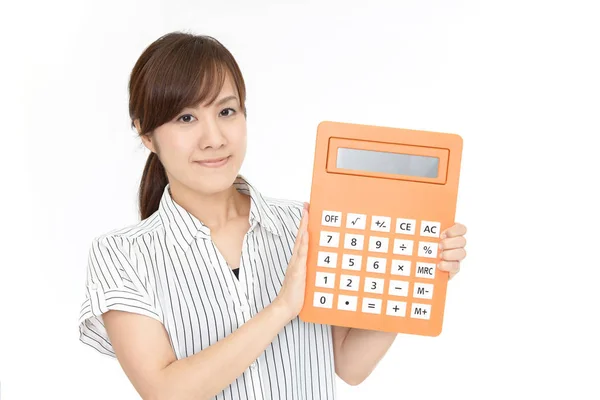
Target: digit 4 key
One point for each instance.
(380, 197)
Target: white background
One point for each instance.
(518, 80)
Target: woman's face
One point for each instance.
(203, 148)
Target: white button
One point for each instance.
(380, 224)
(356, 221)
(351, 261)
(401, 267)
(94, 286)
(347, 303)
(398, 288)
(425, 270)
(421, 311)
(372, 306)
(374, 285)
(376, 264)
(378, 244)
(327, 259)
(331, 218)
(430, 228)
(324, 300)
(253, 365)
(354, 242)
(405, 226)
(423, 290)
(428, 249)
(396, 308)
(349, 282)
(404, 247)
(325, 279)
(329, 239)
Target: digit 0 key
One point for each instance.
(380, 197)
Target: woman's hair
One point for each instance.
(176, 71)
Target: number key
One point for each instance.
(329, 239)
(354, 242)
(349, 282)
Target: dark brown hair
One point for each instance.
(176, 71)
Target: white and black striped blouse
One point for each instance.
(168, 268)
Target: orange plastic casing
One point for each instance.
(344, 191)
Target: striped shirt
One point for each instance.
(167, 267)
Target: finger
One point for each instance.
(299, 233)
(303, 250)
(449, 266)
(452, 274)
(455, 230)
(453, 243)
(453, 254)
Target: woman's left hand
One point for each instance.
(452, 247)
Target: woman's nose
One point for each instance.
(211, 136)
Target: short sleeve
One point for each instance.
(111, 284)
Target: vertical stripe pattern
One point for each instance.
(168, 268)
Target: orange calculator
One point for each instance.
(380, 197)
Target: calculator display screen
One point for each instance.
(386, 162)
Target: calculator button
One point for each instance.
(372, 306)
(405, 226)
(430, 228)
(327, 259)
(347, 303)
(398, 288)
(329, 239)
(376, 264)
(428, 249)
(401, 267)
(402, 246)
(396, 308)
(425, 270)
(423, 290)
(421, 311)
(380, 224)
(356, 221)
(354, 242)
(378, 244)
(374, 285)
(323, 300)
(350, 261)
(349, 282)
(325, 279)
(331, 218)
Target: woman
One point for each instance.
(200, 299)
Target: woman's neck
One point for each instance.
(214, 210)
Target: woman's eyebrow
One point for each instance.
(226, 99)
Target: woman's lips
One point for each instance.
(214, 163)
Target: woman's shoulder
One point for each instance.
(131, 232)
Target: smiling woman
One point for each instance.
(162, 294)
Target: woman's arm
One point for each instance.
(358, 351)
(143, 349)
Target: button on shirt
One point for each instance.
(168, 268)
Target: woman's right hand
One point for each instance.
(291, 294)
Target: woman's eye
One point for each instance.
(185, 116)
(228, 109)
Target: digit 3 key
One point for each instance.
(380, 197)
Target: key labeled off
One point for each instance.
(331, 218)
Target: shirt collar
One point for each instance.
(183, 227)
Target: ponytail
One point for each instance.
(153, 183)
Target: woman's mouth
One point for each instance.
(214, 162)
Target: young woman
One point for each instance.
(200, 299)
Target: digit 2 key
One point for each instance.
(380, 197)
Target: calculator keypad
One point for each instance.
(386, 245)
